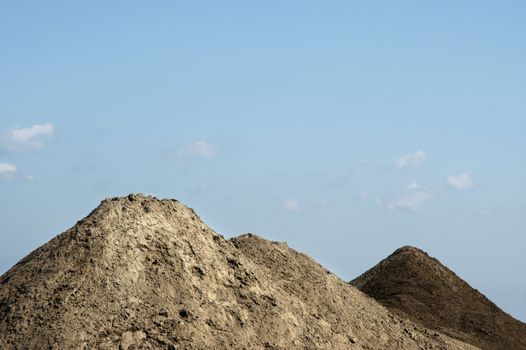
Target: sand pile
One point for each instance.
(143, 273)
(416, 286)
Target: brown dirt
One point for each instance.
(143, 273)
(416, 286)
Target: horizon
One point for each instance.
(345, 130)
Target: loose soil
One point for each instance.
(416, 286)
(143, 273)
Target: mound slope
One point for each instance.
(416, 286)
(143, 273)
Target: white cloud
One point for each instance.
(6, 168)
(291, 204)
(26, 138)
(413, 186)
(410, 160)
(460, 182)
(412, 200)
(413, 197)
(324, 202)
(7, 171)
(199, 148)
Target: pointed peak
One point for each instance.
(408, 248)
(417, 286)
(132, 220)
(136, 198)
(138, 204)
(409, 252)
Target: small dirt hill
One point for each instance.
(143, 273)
(416, 286)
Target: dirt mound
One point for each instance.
(143, 273)
(414, 285)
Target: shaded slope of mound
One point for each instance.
(414, 285)
(142, 273)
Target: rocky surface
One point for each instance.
(143, 273)
(416, 286)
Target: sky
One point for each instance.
(347, 129)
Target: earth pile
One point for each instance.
(143, 273)
(416, 286)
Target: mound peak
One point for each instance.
(417, 286)
(409, 248)
(144, 273)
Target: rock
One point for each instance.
(129, 339)
(163, 312)
(184, 313)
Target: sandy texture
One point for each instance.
(414, 285)
(143, 273)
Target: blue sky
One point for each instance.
(347, 129)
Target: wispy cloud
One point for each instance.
(413, 186)
(20, 139)
(200, 149)
(7, 171)
(410, 159)
(290, 204)
(460, 182)
(413, 197)
(412, 200)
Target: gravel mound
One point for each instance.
(416, 286)
(143, 273)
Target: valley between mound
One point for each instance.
(143, 273)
